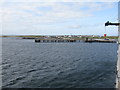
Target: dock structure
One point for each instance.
(49, 40)
(55, 40)
(101, 40)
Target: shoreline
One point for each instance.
(76, 37)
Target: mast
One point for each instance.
(118, 61)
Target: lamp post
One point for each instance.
(118, 61)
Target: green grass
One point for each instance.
(77, 38)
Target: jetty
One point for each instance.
(101, 40)
(86, 40)
(55, 40)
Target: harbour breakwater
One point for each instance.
(63, 40)
(73, 40)
(56, 40)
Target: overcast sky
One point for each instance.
(58, 18)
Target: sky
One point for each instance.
(63, 17)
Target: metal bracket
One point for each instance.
(109, 23)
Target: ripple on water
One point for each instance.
(27, 64)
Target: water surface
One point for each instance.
(62, 65)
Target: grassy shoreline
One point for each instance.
(74, 37)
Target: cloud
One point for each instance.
(75, 26)
(31, 12)
(78, 26)
(61, 0)
(23, 15)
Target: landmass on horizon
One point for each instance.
(61, 36)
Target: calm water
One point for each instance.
(79, 65)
